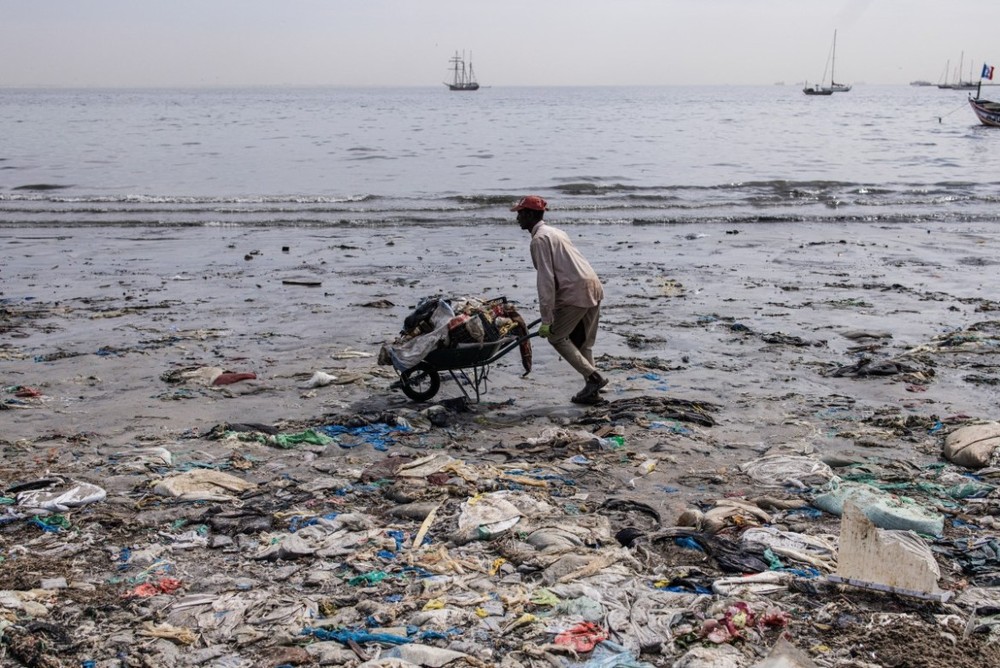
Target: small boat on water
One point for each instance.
(834, 87)
(987, 111)
(463, 77)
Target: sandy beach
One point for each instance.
(852, 345)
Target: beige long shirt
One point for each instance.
(564, 276)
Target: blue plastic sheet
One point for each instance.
(378, 435)
(687, 542)
(359, 636)
(609, 654)
(297, 522)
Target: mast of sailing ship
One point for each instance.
(833, 61)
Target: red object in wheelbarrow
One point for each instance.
(423, 381)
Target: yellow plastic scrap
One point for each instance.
(434, 604)
(523, 620)
(481, 613)
(497, 563)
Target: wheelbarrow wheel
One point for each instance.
(421, 384)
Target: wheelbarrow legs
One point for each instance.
(480, 376)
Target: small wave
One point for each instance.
(188, 200)
(485, 200)
(412, 221)
(587, 188)
(610, 202)
(42, 186)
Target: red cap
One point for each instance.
(531, 202)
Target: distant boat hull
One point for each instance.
(986, 111)
(817, 90)
(465, 86)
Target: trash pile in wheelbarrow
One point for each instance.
(456, 335)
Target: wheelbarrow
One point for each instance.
(422, 382)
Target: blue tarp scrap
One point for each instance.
(805, 572)
(45, 526)
(297, 521)
(647, 376)
(430, 634)
(688, 543)
(418, 571)
(359, 636)
(398, 536)
(379, 435)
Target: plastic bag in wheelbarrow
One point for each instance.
(406, 353)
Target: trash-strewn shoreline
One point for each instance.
(270, 519)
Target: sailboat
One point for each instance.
(834, 87)
(462, 78)
(958, 84)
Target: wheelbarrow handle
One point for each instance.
(513, 344)
(530, 334)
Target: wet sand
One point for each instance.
(96, 317)
(769, 324)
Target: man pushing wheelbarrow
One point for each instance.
(569, 295)
(469, 335)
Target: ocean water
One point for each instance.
(428, 156)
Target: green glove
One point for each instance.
(545, 331)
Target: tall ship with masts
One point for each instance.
(463, 78)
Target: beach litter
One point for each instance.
(388, 536)
(887, 560)
(974, 446)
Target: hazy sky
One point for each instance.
(512, 42)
